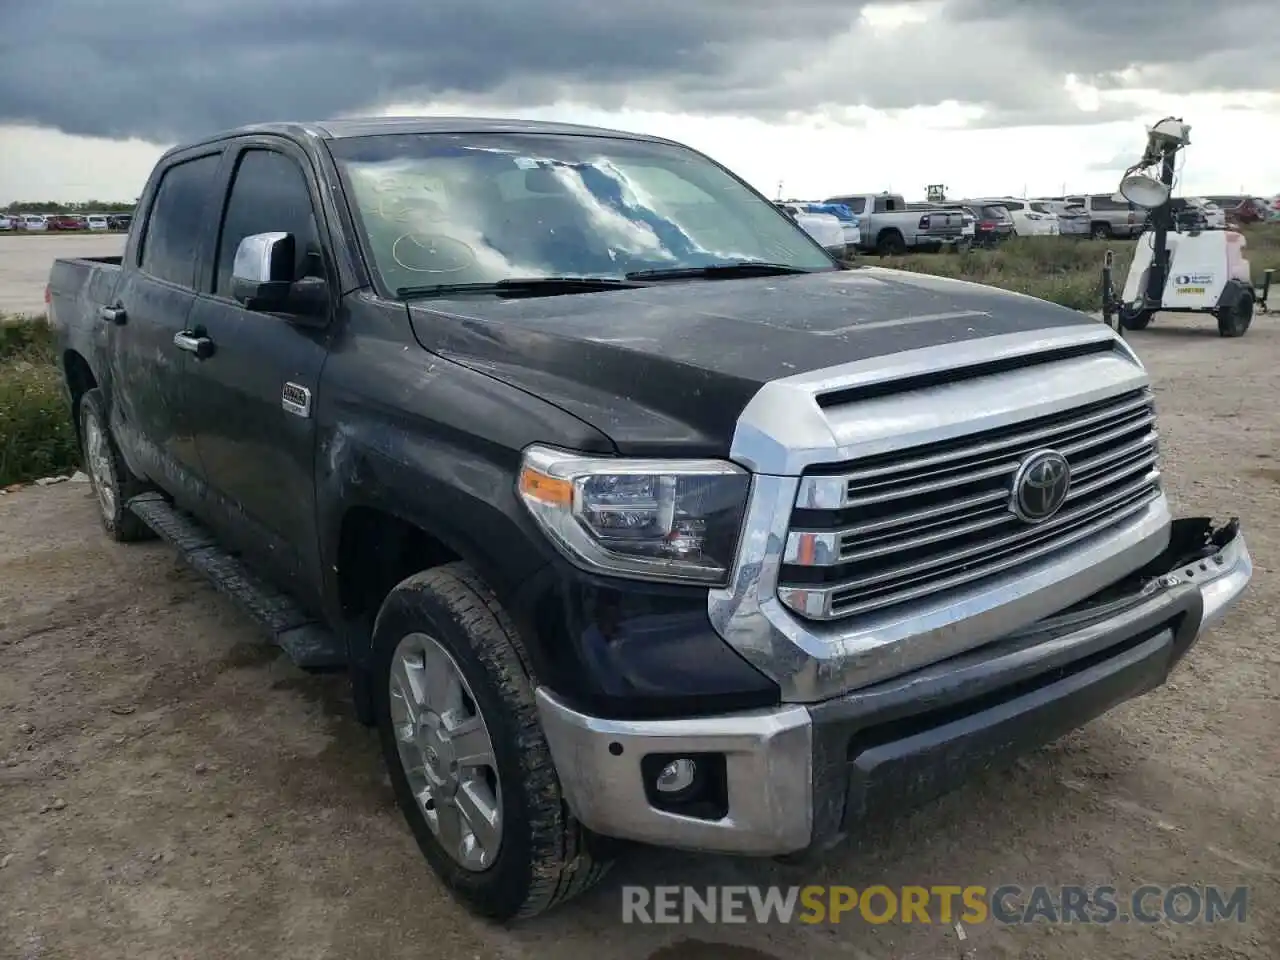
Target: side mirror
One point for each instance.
(262, 278)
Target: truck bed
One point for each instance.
(78, 286)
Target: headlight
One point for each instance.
(673, 520)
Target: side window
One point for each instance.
(268, 195)
(177, 219)
(882, 204)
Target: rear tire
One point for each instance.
(1100, 231)
(891, 244)
(1234, 321)
(113, 484)
(541, 856)
(1137, 321)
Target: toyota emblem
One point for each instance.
(1040, 486)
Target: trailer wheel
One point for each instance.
(470, 766)
(1137, 321)
(1234, 320)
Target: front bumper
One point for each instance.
(798, 777)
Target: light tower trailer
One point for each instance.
(1179, 270)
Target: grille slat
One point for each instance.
(1016, 445)
(933, 519)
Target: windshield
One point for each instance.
(445, 209)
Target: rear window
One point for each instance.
(889, 204)
(1013, 205)
(1042, 208)
(179, 215)
(995, 213)
(856, 204)
(1103, 202)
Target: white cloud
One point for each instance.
(1235, 140)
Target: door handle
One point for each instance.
(200, 345)
(115, 314)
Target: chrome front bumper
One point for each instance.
(791, 782)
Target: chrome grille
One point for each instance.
(889, 529)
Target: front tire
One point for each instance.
(113, 484)
(470, 766)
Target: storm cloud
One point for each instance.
(168, 70)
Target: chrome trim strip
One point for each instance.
(768, 762)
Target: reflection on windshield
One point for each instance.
(446, 209)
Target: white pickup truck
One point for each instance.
(889, 226)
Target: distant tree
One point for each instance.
(53, 206)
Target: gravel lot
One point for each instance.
(25, 262)
(171, 788)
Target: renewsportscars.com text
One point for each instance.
(1008, 904)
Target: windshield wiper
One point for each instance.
(519, 287)
(739, 268)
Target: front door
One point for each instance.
(151, 305)
(253, 396)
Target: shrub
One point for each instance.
(27, 338)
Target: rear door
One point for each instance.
(252, 398)
(155, 294)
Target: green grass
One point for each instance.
(36, 435)
(37, 438)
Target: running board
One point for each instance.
(306, 641)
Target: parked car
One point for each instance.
(1109, 216)
(823, 227)
(1027, 222)
(993, 224)
(1073, 220)
(1242, 210)
(6, 222)
(850, 223)
(1188, 216)
(888, 226)
(635, 540)
(97, 222)
(31, 223)
(65, 222)
(119, 221)
(1215, 217)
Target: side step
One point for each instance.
(306, 641)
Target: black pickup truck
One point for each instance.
(632, 514)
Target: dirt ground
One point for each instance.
(171, 788)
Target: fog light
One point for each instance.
(677, 776)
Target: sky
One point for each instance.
(989, 97)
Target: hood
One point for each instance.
(665, 370)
